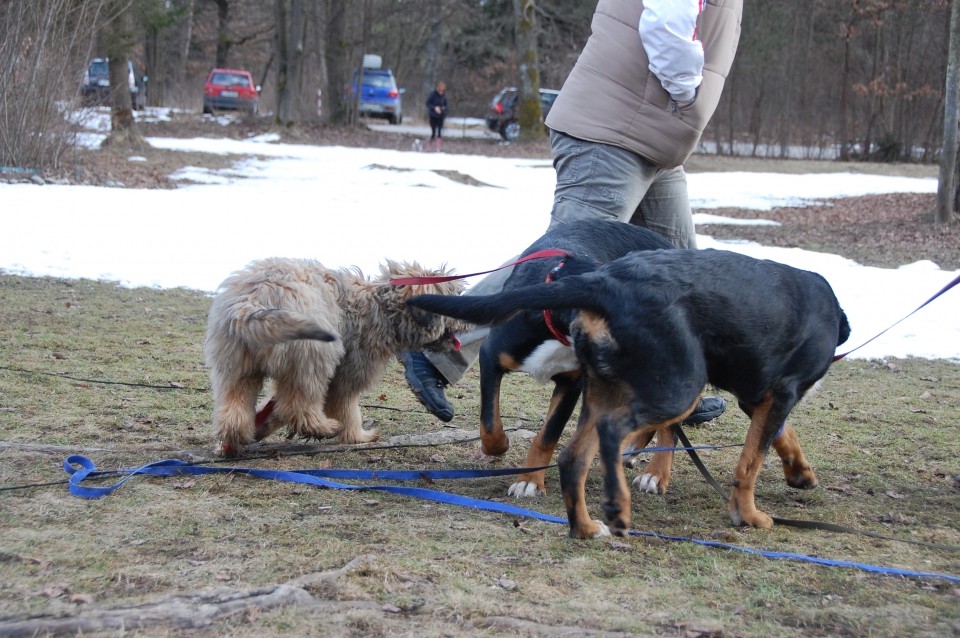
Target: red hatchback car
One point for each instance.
(230, 89)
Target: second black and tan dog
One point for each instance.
(536, 342)
(651, 330)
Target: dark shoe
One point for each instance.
(427, 384)
(708, 409)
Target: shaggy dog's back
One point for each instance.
(323, 336)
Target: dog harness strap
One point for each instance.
(415, 281)
(548, 316)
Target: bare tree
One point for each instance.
(529, 112)
(290, 29)
(119, 37)
(947, 187)
(337, 61)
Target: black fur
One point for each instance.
(589, 244)
(654, 327)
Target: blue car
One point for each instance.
(379, 95)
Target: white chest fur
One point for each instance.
(549, 358)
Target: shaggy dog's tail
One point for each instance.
(569, 292)
(270, 326)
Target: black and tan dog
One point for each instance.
(536, 342)
(651, 330)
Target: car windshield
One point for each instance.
(98, 67)
(383, 81)
(229, 79)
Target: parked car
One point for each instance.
(230, 90)
(379, 95)
(502, 117)
(95, 89)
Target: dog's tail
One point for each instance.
(268, 326)
(569, 292)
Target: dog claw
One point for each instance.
(525, 489)
(647, 483)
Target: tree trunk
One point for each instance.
(432, 50)
(335, 106)
(223, 33)
(529, 113)
(290, 23)
(119, 41)
(947, 186)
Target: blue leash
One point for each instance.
(81, 468)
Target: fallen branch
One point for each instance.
(192, 611)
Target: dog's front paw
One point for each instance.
(648, 484)
(595, 529)
(526, 489)
(353, 437)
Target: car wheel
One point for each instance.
(510, 131)
(392, 119)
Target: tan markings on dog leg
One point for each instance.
(507, 362)
(618, 500)
(494, 442)
(574, 466)
(656, 479)
(233, 415)
(742, 507)
(796, 469)
(530, 484)
(564, 396)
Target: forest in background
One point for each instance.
(857, 79)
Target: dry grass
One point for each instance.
(117, 374)
(882, 436)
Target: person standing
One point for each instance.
(437, 113)
(629, 114)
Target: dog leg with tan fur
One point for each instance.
(798, 472)
(656, 479)
(493, 440)
(233, 414)
(574, 463)
(346, 409)
(300, 406)
(612, 431)
(566, 393)
(764, 423)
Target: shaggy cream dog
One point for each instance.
(323, 336)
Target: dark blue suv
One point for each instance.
(379, 95)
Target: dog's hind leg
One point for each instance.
(574, 463)
(765, 420)
(233, 412)
(656, 479)
(612, 431)
(566, 392)
(796, 469)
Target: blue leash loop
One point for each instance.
(81, 468)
